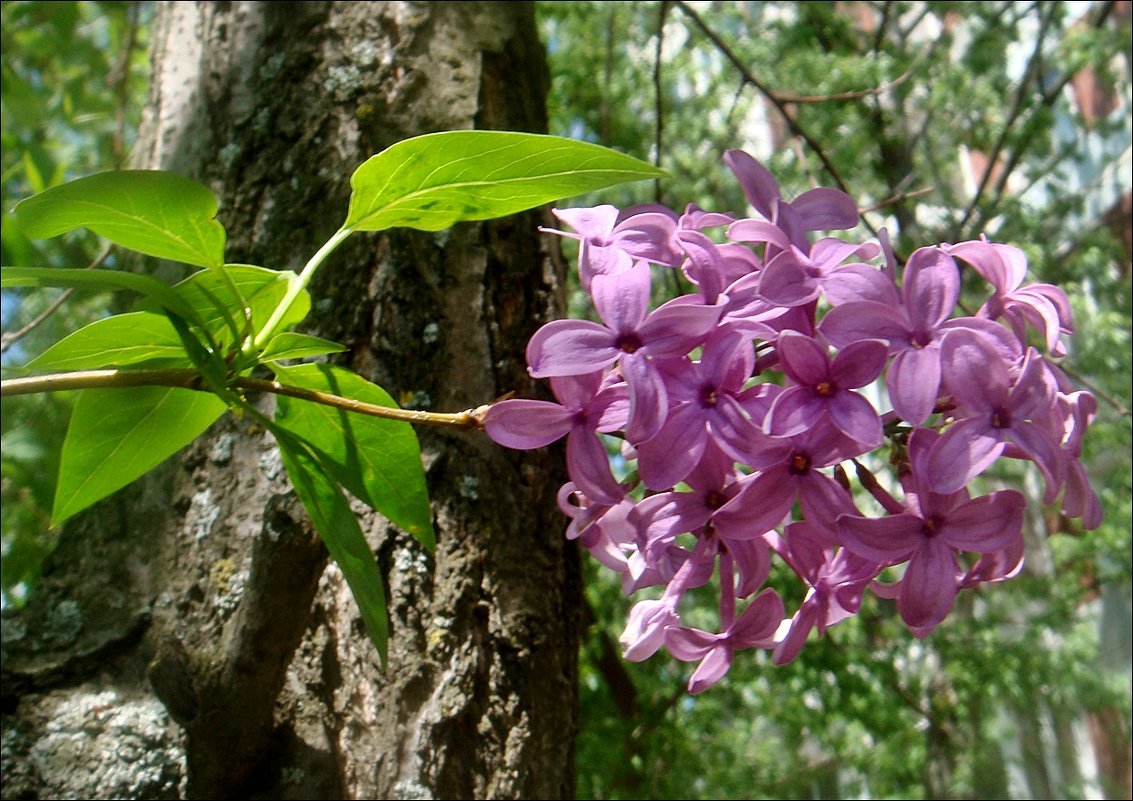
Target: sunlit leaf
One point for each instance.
(157, 213)
(337, 525)
(116, 341)
(378, 460)
(117, 435)
(290, 345)
(430, 182)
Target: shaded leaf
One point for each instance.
(117, 435)
(333, 519)
(117, 341)
(378, 460)
(290, 345)
(160, 294)
(157, 213)
(430, 182)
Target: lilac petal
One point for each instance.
(801, 625)
(576, 391)
(913, 381)
(1034, 391)
(759, 507)
(589, 467)
(804, 360)
(732, 431)
(593, 223)
(758, 231)
(704, 263)
(823, 499)
(796, 410)
(526, 424)
(859, 363)
(831, 251)
(648, 401)
(973, 371)
(1080, 500)
(688, 644)
(570, 347)
(753, 560)
(645, 629)
(758, 622)
(932, 285)
(856, 418)
(785, 282)
(676, 327)
(988, 523)
(609, 411)
(595, 260)
(865, 319)
(1003, 273)
(825, 209)
(711, 669)
(928, 588)
(759, 185)
(622, 300)
(1044, 452)
(886, 540)
(649, 236)
(728, 359)
(666, 515)
(858, 282)
(670, 456)
(964, 451)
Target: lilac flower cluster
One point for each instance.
(741, 402)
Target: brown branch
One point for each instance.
(772, 96)
(659, 95)
(191, 379)
(1029, 74)
(788, 97)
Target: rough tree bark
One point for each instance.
(189, 637)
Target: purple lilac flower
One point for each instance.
(935, 527)
(823, 388)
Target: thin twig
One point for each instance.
(1017, 107)
(772, 96)
(899, 197)
(788, 97)
(9, 339)
(191, 379)
(659, 95)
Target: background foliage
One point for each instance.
(1029, 680)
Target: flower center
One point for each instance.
(708, 396)
(825, 389)
(629, 343)
(799, 464)
(930, 527)
(714, 500)
(1001, 418)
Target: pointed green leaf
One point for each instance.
(290, 345)
(430, 182)
(157, 213)
(117, 341)
(117, 435)
(260, 287)
(378, 460)
(333, 519)
(159, 294)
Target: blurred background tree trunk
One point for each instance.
(188, 636)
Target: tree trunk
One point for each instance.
(200, 594)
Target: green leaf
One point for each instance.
(160, 294)
(117, 435)
(290, 345)
(117, 341)
(430, 182)
(260, 287)
(335, 521)
(157, 213)
(378, 460)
